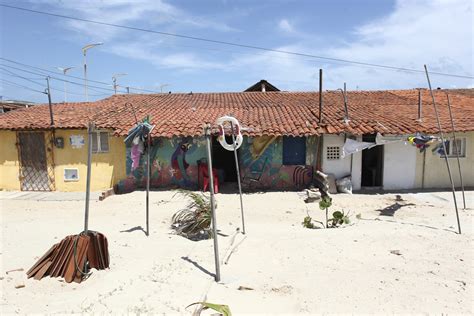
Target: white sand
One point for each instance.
(291, 269)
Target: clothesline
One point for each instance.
(421, 142)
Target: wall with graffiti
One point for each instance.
(173, 165)
(261, 160)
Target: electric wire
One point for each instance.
(20, 86)
(57, 78)
(202, 39)
(70, 76)
(52, 88)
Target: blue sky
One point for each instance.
(397, 33)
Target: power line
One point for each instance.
(56, 78)
(202, 39)
(70, 76)
(19, 85)
(52, 88)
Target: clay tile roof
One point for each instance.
(260, 113)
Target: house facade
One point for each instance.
(285, 141)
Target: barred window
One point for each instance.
(458, 148)
(100, 142)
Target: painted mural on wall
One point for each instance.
(173, 164)
(262, 168)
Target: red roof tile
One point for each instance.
(261, 113)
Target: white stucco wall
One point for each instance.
(341, 167)
(399, 166)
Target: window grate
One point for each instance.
(100, 142)
(333, 153)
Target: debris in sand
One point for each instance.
(14, 270)
(313, 195)
(396, 252)
(67, 258)
(244, 288)
(19, 286)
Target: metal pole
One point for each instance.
(320, 95)
(85, 77)
(49, 102)
(207, 133)
(115, 85)
(148, 175)
(444, 148)
(238, 178)
(456, 150)
(420, 105)
(148, 186)
(88, 180)
(65, 91)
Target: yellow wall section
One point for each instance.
(107, 168)
(9, 168)
(436, 173)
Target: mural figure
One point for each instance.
(302, 176)
(179, 164)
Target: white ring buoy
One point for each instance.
(238, 138)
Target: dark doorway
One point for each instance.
(372, 164)
(223, 160)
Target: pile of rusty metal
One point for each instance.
(73, 257)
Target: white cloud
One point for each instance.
(433, 32)
(285, 26)
(147, 13)
(147, 51)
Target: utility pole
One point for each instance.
(162, 86)
(48, 92)
(320, 96)
(114, 80)
(65, 70)
(84, 52)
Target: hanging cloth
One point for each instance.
(352, 146)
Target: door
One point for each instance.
(224, 160)
(34, 175)
(372, 164)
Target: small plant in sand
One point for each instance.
(220, 308)
(194, 221)
(338, 218)
(307, 222)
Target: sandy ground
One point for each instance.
(290, 269)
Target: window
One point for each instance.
(100, 142)
(71, 175)
(460, 147)
(294, 150)
(333, 152)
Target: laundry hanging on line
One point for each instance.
(352, 146)
(383, 140)
(422, 141)
(136, 138)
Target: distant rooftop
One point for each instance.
(262, 86)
